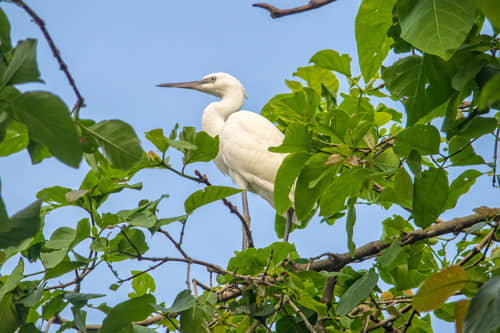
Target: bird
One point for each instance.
(244, 140)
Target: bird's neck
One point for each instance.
(216, 113)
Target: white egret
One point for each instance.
(244, 139)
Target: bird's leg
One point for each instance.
(246, 215)
(289, 218)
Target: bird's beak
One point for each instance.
(186, 85)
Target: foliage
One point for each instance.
(344, 149)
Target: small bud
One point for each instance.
(153, 156)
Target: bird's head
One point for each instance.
(217, 84)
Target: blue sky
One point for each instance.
(118, 50)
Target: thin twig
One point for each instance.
(408, 322)
(188, 273)
(122, 231)
(177, 245)
(55, 51)
(301, 314)
(232, 208)
(277, 12)
(142, 272)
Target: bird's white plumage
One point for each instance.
(244, 142)
(244, 138)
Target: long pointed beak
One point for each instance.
(187, 85)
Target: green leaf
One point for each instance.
(477, 127)
(61, 238)
(334, 61)
(157, 138)
(436, 26)
(8, 316)
(142, 284)
(119, 142)
(484, 309)
(427, 208)
(460, 186)
(80, 299)
(357, 292)
(122, 244)
(183, 301)
(207, 195)
(490, 95)
(306, 196)
(315, 76)
(462, 153)
(143, 216)
(29, 328)
(12, 280)
(22, 67)
(373, 20)
(23, 225)
(16, 139)
(135, 309)
(285, 178)
(438, 288)
(49, 123)
(414, 162)
(350, 220)
(491, 9)
(207, 146)
(390, 254)
(195, 319)
(5, 45)
(425, 139)
(253, 261)
(297, 139)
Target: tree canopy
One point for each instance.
(345, 148)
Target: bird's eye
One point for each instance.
(213, 78)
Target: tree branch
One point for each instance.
(55, 51)
(278, 12)
(335, 262)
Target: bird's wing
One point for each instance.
(244, 142)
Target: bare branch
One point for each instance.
(55, 51)
(278, 12)
(301, 314)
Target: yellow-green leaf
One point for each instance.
(438, 287)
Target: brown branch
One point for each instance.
(486, 241)
(55, 51)
(335, 262)
(278, 12)
(388, 321)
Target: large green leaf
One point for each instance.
(357, 292)
(16, 139)
(297, 139)
(460, 186)
(425, 139)
(143, 216)
(119, 142)
(490, 95)
(22, 67)
(287, 173)
(373, 20)
(484, 309)
(183, 301)
(333, 61)
(315, 76)
(426, 207)
(23, 225)
(12, 280)
(207, 195)
(436, 26)
(5, 45)
(462, 153)
(135, 309)
(491, 9)
(49, 122)
(438, 288)
(205, 148)
(306, 195)
(59, 244)
(349, 224)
